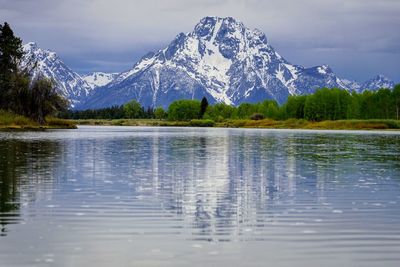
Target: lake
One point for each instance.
(148, 196)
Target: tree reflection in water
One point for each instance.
(23, 165)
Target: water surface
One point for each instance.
(137, 196)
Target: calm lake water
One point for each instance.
(137, 196)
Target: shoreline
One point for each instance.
(392, 125)
(12, 128)
(14, 122)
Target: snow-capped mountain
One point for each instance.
(68, 83)
(97, 79)
(220, 59)
(377, 82)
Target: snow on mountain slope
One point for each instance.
(220, 59)
(68, 83)
(98, 79)
(377, 82)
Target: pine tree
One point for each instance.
(203, 107)
(10, 53)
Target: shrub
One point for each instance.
(201, 123)
(257, 116)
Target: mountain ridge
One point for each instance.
(46, 63)
(98, 78)
(220, 59)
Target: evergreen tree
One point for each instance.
(203, 107)
(10, 53)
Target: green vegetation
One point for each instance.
(203, 107)
(184, 110)
(133, 109)
(265, 123)
(201, 123)
(305, 124)
(112, 113)
(10, 120)
(19, 94)
(160, 114)
(28, 103)
(325, 109)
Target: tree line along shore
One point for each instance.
(325, 109)
(28, 102)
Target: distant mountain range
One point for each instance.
(220, 59)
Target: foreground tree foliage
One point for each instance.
(20, 94)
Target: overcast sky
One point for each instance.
(357, 38)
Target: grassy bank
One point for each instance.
(322, 125)
(10, 121)
(266, 123)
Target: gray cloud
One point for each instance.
(305, 32)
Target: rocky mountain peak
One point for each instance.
(220, 59)
(46, 63)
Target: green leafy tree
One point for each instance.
(353, 108)
(245, 110)
(383, 101)
(20, 93)
(294, 107)
(272, 110)
(324, 104)
(160, 113)
(184, 110)
(311, 109)
(341, 101)
(367, 109)
(219, 112)
(133, 110)
(44, 100)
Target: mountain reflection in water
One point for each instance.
(301, 191)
